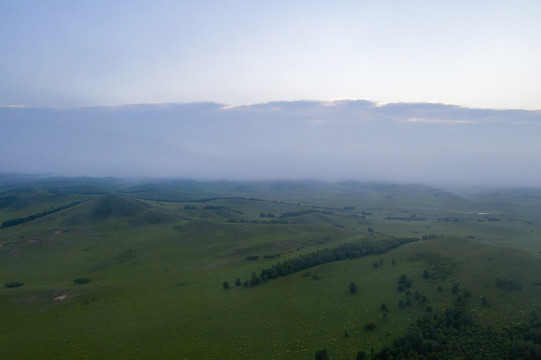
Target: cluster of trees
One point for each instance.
(81, 281)
(255, 221)
(431, 237)
(407, 218)
(302, 212)
(320, 257)
(13, 284)
(268, 256)
(403, 283)
(454, 335)
(508, 284)
(322, 355)
(17, 221)
(488, 219)
(212, 207)
(450, 219)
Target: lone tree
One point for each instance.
(322, 355)
(484, 301)
(81, 281)
(226, 285)
(352, 288)
(370, 326)
(361, 355)
(403, 283)
(254, 281)
(13, 284)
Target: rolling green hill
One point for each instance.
(156, 269)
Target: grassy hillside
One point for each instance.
(156, 270)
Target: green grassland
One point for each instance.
(157, 255)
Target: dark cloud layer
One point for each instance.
(334, 140)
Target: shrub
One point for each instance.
(403, 282)
(484, 301)
(361, 355)
(322, 354)
(81, 281)
(13, 284)
(370, 326)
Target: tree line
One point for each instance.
(327, 255)
(17, 221)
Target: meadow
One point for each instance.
(156, 255)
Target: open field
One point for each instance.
(157, 256)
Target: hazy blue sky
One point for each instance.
(340, 140)
(72, 53)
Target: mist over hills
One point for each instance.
(424, 143)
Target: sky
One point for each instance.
(405, 91)
(434, 144)
(62, 54)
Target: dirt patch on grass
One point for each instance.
(45, 297)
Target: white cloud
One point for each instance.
(439, 121)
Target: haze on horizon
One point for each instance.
(229, 81)
(327, 140)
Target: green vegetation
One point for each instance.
(508, 284)
(163, 258)
(322, 355)
(370, 326)
(81, 281)
(454, 335)
(17, 221)
(13, 284)
(320, 257)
